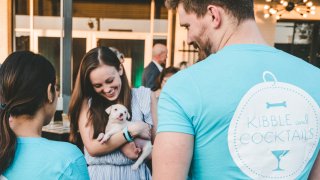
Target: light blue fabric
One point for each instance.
(201, 101)
(39, 158)
(115, 165)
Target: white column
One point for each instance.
(149, 39)
(5, 29)
(169, 36)
(31, 24)
(152, 17)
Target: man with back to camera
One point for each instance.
(152, 71)
(245, 112)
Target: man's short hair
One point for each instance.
(158, 49)
(240, 9)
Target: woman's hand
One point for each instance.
(131, 151)
(137, 130)
(140, 129)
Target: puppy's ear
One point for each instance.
(108, 110)
(128, 116)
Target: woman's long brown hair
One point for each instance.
(83, 91)
(24, 80)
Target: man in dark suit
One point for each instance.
(152, 71)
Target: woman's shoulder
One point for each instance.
(60, 156)
(63, 149)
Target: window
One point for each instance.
(299, 38)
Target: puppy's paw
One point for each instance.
(105, 139)
(100, 136)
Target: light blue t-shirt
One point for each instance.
(253, 111)
(39, 158)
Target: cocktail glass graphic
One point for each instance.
(279, 154)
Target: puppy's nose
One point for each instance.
(121, 114)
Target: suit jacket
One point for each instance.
(150, 75)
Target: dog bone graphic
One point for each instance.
(271, 105)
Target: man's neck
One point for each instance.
(158, 65)
(247, 32)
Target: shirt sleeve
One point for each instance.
(144, 101)
(178, 105)
(77, 170)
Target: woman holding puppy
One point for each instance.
(102, 82)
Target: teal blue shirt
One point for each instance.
(253, 111)
(39, 158)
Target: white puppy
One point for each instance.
(118, 120)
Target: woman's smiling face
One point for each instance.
(106, 81)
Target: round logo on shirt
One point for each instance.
(274, 131)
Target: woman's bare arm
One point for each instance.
(154, 114)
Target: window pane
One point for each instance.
(79, 50)
(22, 7)
(300, 39)
(40, 7)
(122, 9)
(161, 12)
(46, 7)
(22, 42)
(50, 48)
(161, 41)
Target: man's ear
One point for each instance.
(108, 110)
(50, 94)
(216, 14)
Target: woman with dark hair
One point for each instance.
(102, 82)
(163, 77)
(28, 102)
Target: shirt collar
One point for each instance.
(158, 65)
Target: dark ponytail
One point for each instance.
(7, 140)
(24, 79)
